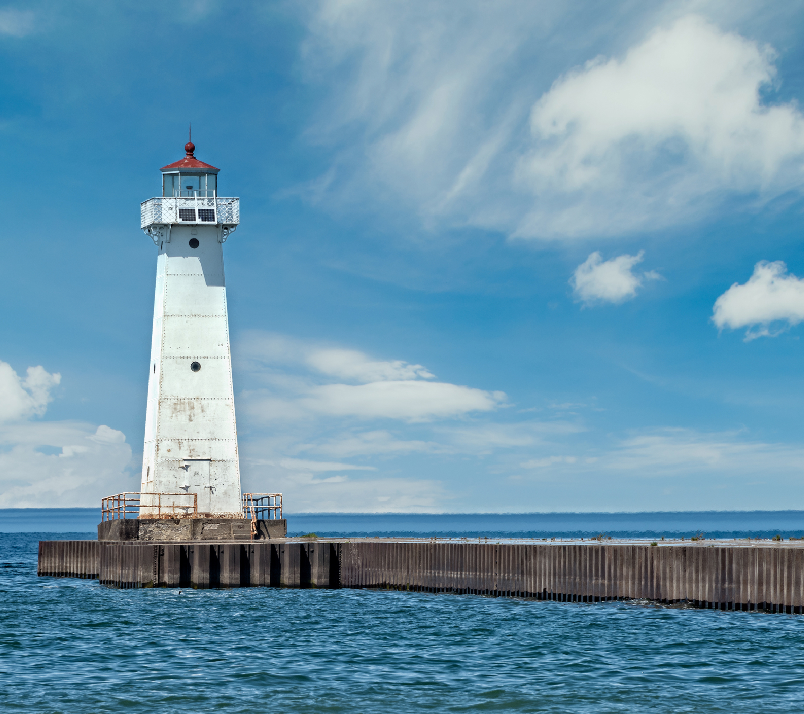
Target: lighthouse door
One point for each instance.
(198, 482)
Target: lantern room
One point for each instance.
(189, 177)
(189, 196)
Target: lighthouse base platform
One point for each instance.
(190, 529)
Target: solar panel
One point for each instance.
(206, 215)
(187, 214)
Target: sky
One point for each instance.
(493, 257)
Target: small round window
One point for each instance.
(194, 242)
(195, 366)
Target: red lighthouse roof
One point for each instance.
(190, 162)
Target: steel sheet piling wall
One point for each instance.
(713, 576)
(69, 559)
(717, 576)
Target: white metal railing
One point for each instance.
(196, 210)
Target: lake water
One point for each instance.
(714, 524)
(73, 646)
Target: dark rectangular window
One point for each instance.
(206, 215)
(186, 214)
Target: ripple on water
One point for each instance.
(73, 646)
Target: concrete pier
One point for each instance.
(730, 575)
(190, 529)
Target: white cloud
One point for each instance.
(329, 455)
(371, 443)
(24, 398)
(675, 123)
(320, 466)
(49, 464)
(450, 111)
(92, 463)
(323, 401)
(392, 389)
(16, 23)
(354, 365)
(608, 281)
(680, 452)
(478, 439)
(667, 469)
(685, 451)
(770, 295)
(408, 399)
(547, 462)
(304, 490)
(383, 495)
(422, 92)
(106, 435)
(488, 438)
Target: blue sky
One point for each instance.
(510, 256)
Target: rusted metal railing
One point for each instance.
(133, 503)
(261, 506)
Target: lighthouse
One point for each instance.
(190, 429)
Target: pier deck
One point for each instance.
(728, 575)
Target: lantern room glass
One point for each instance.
(189, 185)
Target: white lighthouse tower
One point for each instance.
(190, 430)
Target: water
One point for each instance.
(714, 524)
(73, 646)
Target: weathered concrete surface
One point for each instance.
(119, 529)
(727, 576)
(271, 529)
(189, 529)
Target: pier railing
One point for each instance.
(262, 506)
(131, 504)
